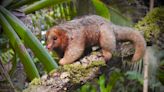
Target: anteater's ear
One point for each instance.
(60, 31)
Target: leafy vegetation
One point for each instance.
(117, 82)
(30, 40)
(41, 4)
(152, 24)
(99, 6)
(20, 49)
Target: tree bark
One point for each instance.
(72, 76)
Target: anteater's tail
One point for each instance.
(129, 34)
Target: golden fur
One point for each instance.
(73, 37)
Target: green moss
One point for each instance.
(116, 54)
(78, 72)
(94, 53)
(36, 81)
(96, 64)
(152, 24)
(52, 72)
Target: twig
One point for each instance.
(146, 64)
(6, 75)
(151, 5)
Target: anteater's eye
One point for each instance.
(54, 38)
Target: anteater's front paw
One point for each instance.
(63, 61)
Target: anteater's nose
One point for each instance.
(49, 46)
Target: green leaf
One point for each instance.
(41, 4)
(133, 75)
(118, 18)
(30, 40)
(101, 9)
(114, 77)
(20, 3)
(85, 88)
(3, 43)
(160, 72)
(15, 41)
(101, 82)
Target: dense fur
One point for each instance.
(70, 39)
